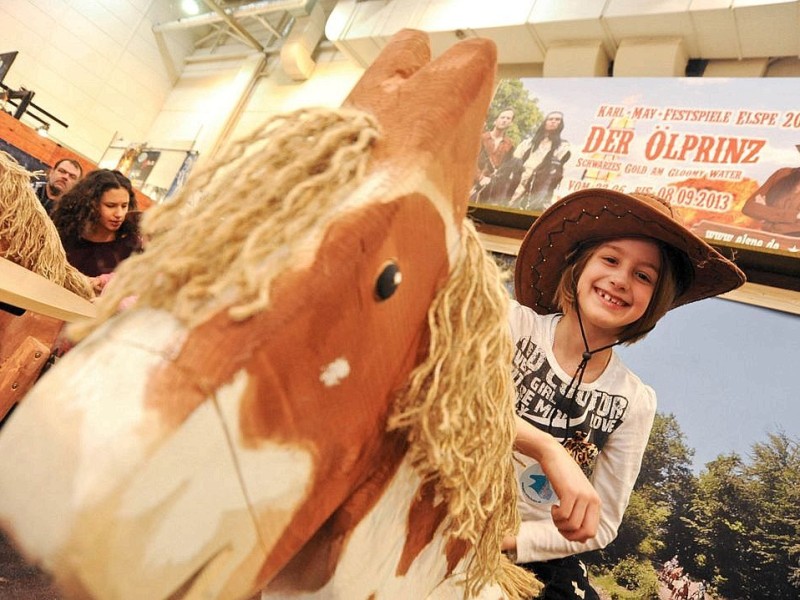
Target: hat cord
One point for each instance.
(577, 378)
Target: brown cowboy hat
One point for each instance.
(598, 214)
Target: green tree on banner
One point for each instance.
(774, 484)
(736, 525)
(511, 94)
(719, 517)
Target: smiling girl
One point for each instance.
(96, 223)
(597, 269)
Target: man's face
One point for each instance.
(552, 122)
(62, 178)
(503, 120)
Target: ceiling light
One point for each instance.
(190, 7)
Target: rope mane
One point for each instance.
(241, 220)
(460, 419)
(274, 191)
(28, 236)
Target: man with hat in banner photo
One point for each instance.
(598, 268)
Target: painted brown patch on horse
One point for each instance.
(314, 565)
(424, 518)
(455, 551)
(211, 355)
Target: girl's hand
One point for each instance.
(577, 514)
(99, 283)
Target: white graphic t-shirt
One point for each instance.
(604, 424)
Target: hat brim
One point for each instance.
(598, 214)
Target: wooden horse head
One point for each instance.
(298, 401)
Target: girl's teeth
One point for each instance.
(608, 298)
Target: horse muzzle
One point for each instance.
(118, 497)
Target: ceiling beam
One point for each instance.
(234, 24)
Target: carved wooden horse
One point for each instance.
(302, 401)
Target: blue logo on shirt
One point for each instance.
(536, 486)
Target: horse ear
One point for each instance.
(407, 52)
(431, 112)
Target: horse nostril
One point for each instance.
(388, 281)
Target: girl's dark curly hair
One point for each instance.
(81, 205)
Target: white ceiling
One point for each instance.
(524, 30)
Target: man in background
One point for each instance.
(61, 178)
(491, 185)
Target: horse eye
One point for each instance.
(388, 281)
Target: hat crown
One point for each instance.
(655, 202)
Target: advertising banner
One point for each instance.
(724, 152)
(142, 166)
(137, 162)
